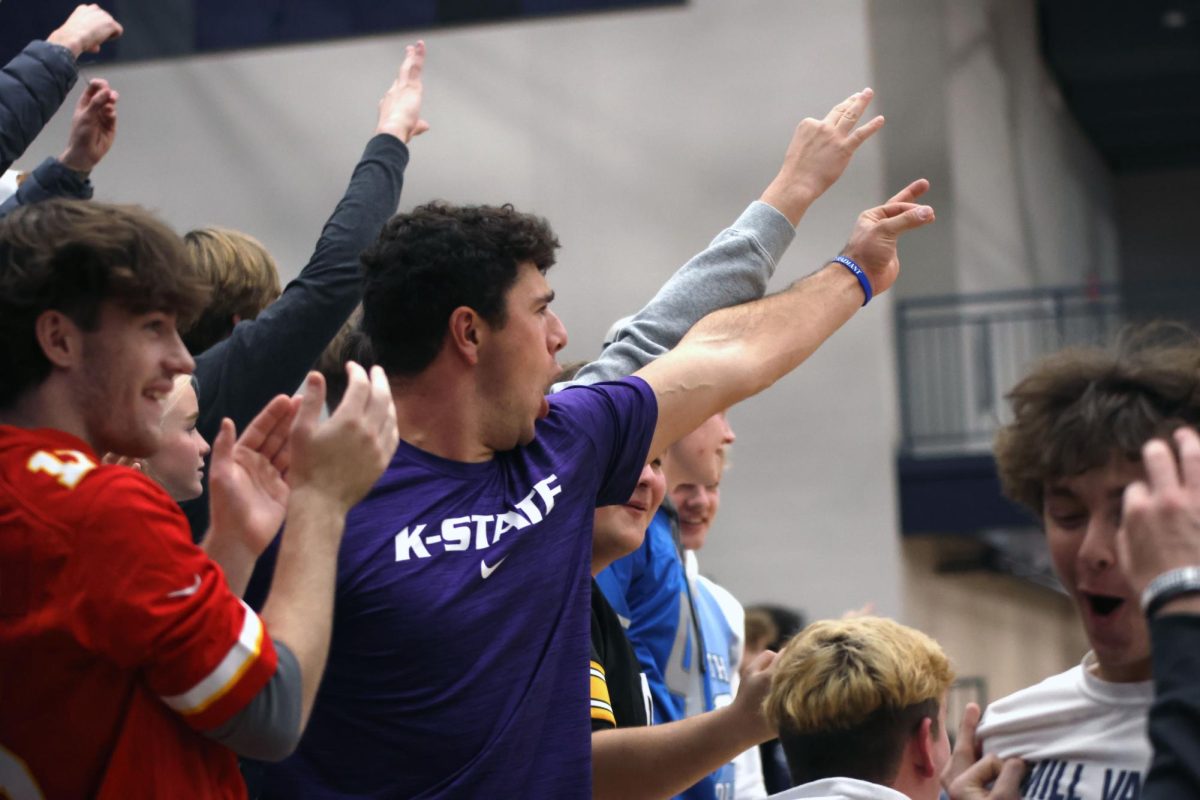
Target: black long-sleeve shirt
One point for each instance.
(270, 355)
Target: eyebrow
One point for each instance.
(545, 299)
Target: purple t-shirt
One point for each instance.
(458, 666)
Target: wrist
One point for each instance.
(1184, 604)
(80, 165)
(62, 40)
(318, 497)
(392, 128)
(863, 281)
(748, 725)
(787, 199)
(1171, 588)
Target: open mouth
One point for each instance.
(1103, 605)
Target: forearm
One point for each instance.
(32, 87)
(232, 556)
(299, 609)
(733, 269)
(738, 352)
(1174, 729)
(272, 353)
(662, 760)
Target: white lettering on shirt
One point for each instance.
(478, 531)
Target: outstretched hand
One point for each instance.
(247, 490)
(93, 127)
(88, 27)
(818, 154)
(400, 108)
(876, 235)
(1160, 519)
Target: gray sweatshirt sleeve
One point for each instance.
(733, 269)
(268, 728)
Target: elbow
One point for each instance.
(274, 746)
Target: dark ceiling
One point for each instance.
(1130, 72)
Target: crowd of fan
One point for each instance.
(396, 596)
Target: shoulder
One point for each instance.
(1033, 702)
(1056, 716)
(627, 395)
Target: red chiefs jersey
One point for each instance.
(119, 638)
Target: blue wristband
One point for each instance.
(858, 273)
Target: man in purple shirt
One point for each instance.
(461, 629)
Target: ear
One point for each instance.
(60, 339)
(465, 333)
(922, 747)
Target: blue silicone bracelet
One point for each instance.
(858, 273)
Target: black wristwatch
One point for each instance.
(1168, 586)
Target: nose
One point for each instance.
(556, 334)
(727, 435)
(203, 448)
(1098, 551)
(178, 359)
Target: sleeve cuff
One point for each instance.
(770, 228)
(48, 53)
(386, 143)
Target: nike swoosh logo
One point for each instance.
(191, 590)
(487, 571)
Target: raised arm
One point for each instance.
(737, 265)
(738, 352)
(332, 465)
(93, 128)
(272, 353)
(34, 84)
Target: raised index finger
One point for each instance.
(966, 749)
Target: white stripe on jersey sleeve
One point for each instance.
(214, 685)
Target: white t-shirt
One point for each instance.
(840, 789)
(1083, 738)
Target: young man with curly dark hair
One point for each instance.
(462, 612)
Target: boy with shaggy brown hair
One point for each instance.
(1081, 418)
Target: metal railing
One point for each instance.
(959, 355)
